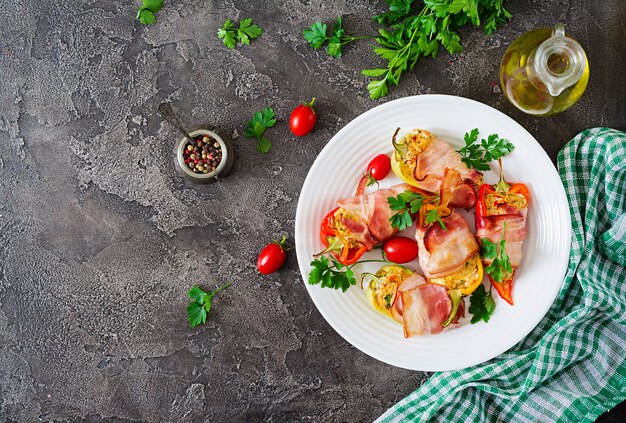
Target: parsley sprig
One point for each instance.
(478, 154)
(256, 127)
(199, 307)
(414, 30)
(331, 274)
(406, 204)
(148, 8)
(231, 35)
(500, 267)
(482, 304)
(432, 216)
(316, 36)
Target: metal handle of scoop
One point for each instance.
(165, 109)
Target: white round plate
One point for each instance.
(335, 174)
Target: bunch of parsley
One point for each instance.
(415, 29)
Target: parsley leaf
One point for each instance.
(255, 128)
(231, 35)
(330, 275)
(198, 309)
(148, 8)
(496, 147)
(478, 154)
(500, 268)
(146, 16)
(432, 216)
(154, 5)
(316, 36)
(227, 34)
(247, 30)
(482, 305)
(405, 204)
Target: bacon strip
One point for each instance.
(444, 251)
(422, 307)
(359, 231)
(491, 227)
(410, 283)
(374, 212)
(425, 308)
(431, 167)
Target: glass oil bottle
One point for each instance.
(544, 72)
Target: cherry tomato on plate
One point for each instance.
(303, 119)
(400, 249)
(272, 257)
(379, 167)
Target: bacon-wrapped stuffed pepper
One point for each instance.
(501, 212)
(448, 253)
(420, 307)
(420, 160)
(358, 224)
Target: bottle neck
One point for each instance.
(559, 62)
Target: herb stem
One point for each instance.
(369, 261)
(221, 288)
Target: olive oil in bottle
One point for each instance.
(543, 72)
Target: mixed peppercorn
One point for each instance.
(204, 158)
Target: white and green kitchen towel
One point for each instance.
(572, 366)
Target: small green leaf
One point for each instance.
(146, 17)
(488, 249)
(477, 154)
(373, 72)
(268, 118)
(243, 38)
(153, 5)
(315, 275)
(197, 294)
(249, 29)
(330, 275)
(196, 314)
(482, 305)
(316, 35)
(246, 32)
(263, 145)
(198, 309)
(500, 268)
(333, 48)
(256, 127)
(377, 88)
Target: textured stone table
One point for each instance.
(100, 239)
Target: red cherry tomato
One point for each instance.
(400, 249)
(303, 119)
(379, 167)
(272, 257)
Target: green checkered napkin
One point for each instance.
(572, 366)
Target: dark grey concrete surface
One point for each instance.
(100, 239)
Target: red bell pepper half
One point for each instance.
(336, 244)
